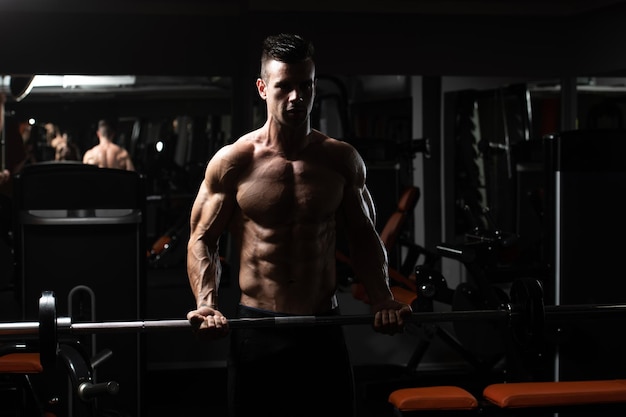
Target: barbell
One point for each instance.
(525, 315)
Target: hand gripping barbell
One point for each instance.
(525, 315)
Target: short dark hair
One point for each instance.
(286, 47)
(107, 127)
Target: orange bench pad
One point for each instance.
(433, 398)
(20, 363)
(546, 394)
(403, 295)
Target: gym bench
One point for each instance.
(513, 398)
(36, 385)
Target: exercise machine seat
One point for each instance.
(445, 397)
(20, 363)
(555, 393)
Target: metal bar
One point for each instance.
(585, 311)
(284, 321)
(32, 328)
(19, 328)
(128, 326)
(552, 313)
(42, 220)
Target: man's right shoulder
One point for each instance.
(228, 163)
(238, 152)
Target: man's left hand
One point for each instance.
(390, 316)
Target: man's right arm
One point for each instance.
(210, 216)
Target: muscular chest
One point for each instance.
(280, 191)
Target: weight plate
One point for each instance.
(528, 328)
(48, 340)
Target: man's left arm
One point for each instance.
(369, 255)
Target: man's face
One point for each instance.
(289, 91)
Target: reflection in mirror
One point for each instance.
(171, 126)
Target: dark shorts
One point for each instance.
(289, 371)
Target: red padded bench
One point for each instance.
(441, 398)
(20, 363)
(511, 396)
(555, 394)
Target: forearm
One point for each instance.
(204, 271)
(371, 268)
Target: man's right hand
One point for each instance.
(208, 323)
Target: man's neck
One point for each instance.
(289, 140)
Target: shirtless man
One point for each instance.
(282, 191)
(53, 135)
(108, 154)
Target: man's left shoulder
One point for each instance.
(323, 138)
(339, 147)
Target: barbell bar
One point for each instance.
(525, 315)
(64, 324)
(552, 313)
